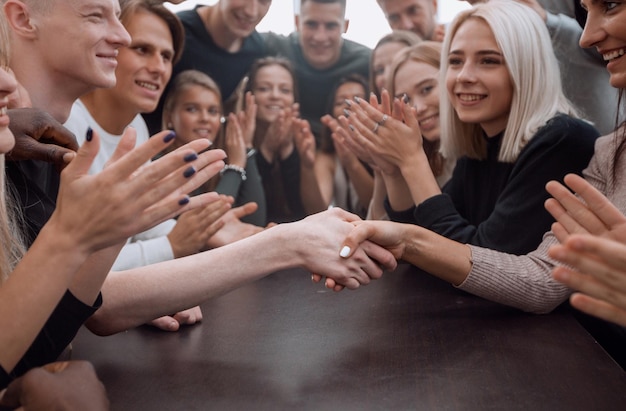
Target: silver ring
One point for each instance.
(375, 128)
(383, 120)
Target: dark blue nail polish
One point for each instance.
(169, 137)
(189, 172)
(89, 134)
(346, 112)
(190, 157)
(184, 201)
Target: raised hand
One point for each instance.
(194, 228)
(233, 228)
(130, 196)
(235, 142)
(247, 119)
(305, 142)
(592, 213)
(596, 267)
(38, 136)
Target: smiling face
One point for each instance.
(196, 114)
(419, 81)
(417, 16)
(145, 67)
(320, 26)
(273, 91)
(242, 16)
(7, 86)
(381, 61)
(478, 82)
(80, 40)
(606, 31)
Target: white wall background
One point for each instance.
(367, 23)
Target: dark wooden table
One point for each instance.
(407, 341)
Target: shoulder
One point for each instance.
(353, 48)
(78, 121)
(564, 128)
(139, 124)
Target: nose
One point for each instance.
(118, 34)
(593, 32)
(419, 104)
(8, 84)
(157, 64)
(406, 23)
(466, 74)
(252, 8)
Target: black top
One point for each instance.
(499, 205)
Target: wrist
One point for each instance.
(235, 169)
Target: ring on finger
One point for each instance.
(383, 120)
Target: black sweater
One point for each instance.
(499, 205)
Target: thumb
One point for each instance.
(358, 235)
(85, 155)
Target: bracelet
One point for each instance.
(235, 168)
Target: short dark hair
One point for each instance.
(156, 7)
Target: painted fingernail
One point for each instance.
(345, 251)
(189, 172)
(169, 137)
(348, 102)
(346, 112)
(190, 157)
(357, 99)
(351, 127)
(89, 134)
(184, 201)
(405, 98)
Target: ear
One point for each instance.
(346, 23)
(19, 18)
(297, 21)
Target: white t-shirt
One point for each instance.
(150, 246)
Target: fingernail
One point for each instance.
(345, 251)
(190, 157)
(183, 201)
(169, 137)
(357, 99)
(89, 135)
(348, 102)
(346, 112)
(189, 172)
(351, 127)
(405, 98)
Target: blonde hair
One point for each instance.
(538, 96)
(11, 242)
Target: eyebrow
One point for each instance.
(480, 52)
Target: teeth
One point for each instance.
(149, 86)
(3, 111)
(614, 54)
(470, 97)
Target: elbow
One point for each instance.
(103, 325)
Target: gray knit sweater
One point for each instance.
(526, 282)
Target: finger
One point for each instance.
(165, 323)
(316, 278)
(245, 209)
(380, 255)
(595, 200)
(188, 317)
(570, 211)
(385, 105)
(84, 157)
(125, 145)
(359, 234)
(599, 308)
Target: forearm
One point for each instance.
(398, 191)
(33, 291)
(419, 178)
(130, 297)
(88, 281)
(362, 181)
(312, 198)
(447, 259)
(376, 210)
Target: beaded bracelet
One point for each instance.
(235, 168)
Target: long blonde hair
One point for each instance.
(538, 96)
(11, 242)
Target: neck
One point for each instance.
(214, 24)
(112, 116)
